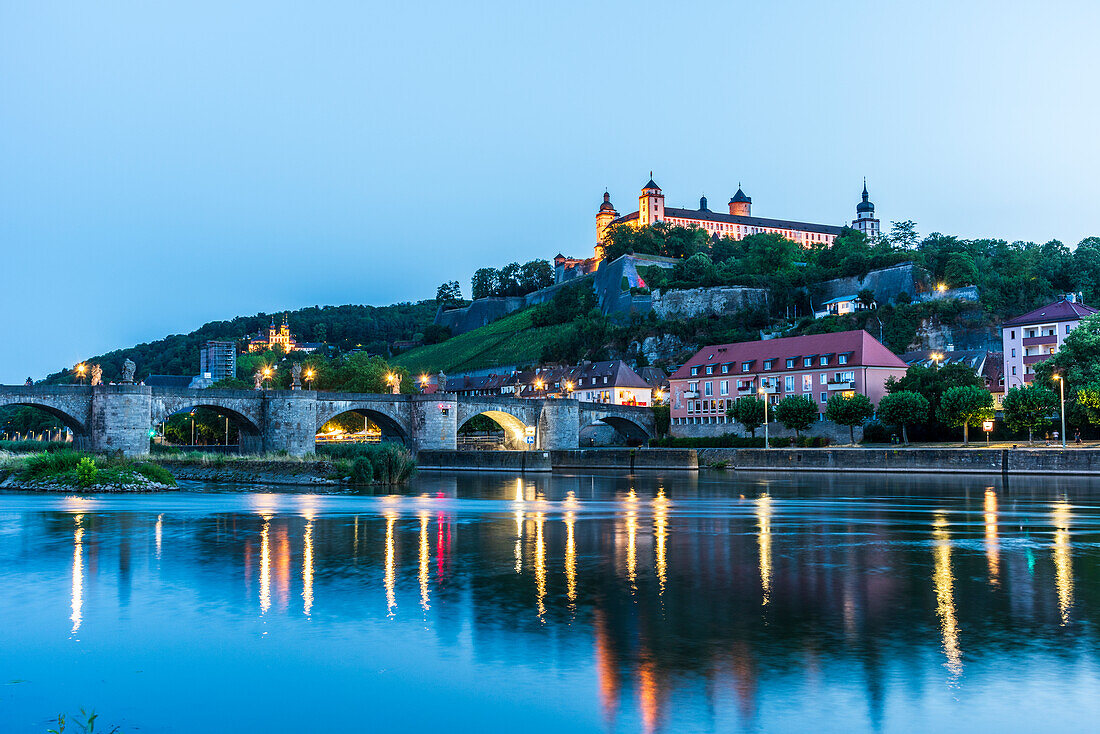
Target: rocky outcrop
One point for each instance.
(885, 283)
(717, 301)
(659, 349)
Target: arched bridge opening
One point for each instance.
(613, 430)
(361, 425)
(205, 427)
(492, 430)
(42, 422)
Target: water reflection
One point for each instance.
(552, 585)
(945, 597)
(1063, 562)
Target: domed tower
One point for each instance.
(740, 205)
(651, 204)
(865, 220)
(604, 217)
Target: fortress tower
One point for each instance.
(604, 217)
(865, 220)
(651, 204)
(740, 205)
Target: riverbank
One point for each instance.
(70, 471)
(1019, 461)
(620, 459)
(220, 468)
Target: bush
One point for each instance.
(725, 441)
(157, 473)
(362, 472)
(86, 471)
(875, 432)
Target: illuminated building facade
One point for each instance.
(281, 338)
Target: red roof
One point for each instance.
(1063, 310)
(863, 350)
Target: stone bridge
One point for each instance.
(119, 417)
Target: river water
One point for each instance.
(497, 603)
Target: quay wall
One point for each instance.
(510, 461)
(912, 460)
(571, 459)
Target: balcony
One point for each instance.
(849, 385)
(1036, 358)
(1032, 341)
(691, 395)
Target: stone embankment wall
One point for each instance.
(835, 433)
(718, 301)
(913, 460)
(576, 460)
(885, 283)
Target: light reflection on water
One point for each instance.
(654, 603)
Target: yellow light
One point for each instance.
(1056, 377)
(267, 372)
(423, 379)
(309, 374)
(80, 369)
(941, 287)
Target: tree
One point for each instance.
(866, 296)
(1029, 407)
(796, 413)
(749, 412)
(536, 275)
(965, 406)
(851, 411)
(904, 234)
(903, 408)
(960, 270)
(932, 382)
(436, 333)
(485, 283)
(449, 294)
(508, 281)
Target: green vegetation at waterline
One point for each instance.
(365, 463)
(77, 471)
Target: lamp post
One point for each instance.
(267, 376)
(423, 382)
(1062, 401)
(192, 428)
(763, 393)
(80, 370)
(936, 357)
(309, 378)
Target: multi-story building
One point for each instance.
(1031, 338)
(814, 366)
(218, 360)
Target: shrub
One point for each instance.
(362, 472)
(155, 473)
(87, 472)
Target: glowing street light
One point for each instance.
(423, 382)
(1062, 400)
(942, 287)
(394, 382)
(267, 375)
(81, 370)
(568, 385)
(762, 392)
(309, 378)
(937, 357)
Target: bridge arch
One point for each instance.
(79, 428)
(249, 432)
(515, 429)
(632, 431)
(392, 427)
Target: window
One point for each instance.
(1014, 369)
(1013, 351)
(788, 383)
(824, 397)
(694, 371)
(693, 387)
(790, 364)
(824, 360)
(824, 379)
(807, 383)
(1067, 328)
(1012, 334)
(842, 359)
(724, 387)
(725, 369)
(745, 366)
(605, 379)
(768, 363)
(710, 369)
(708, 388)
(808, 362)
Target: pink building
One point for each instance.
(816, 366)
(1033, 337)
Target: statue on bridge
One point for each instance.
(296, 376)
(128, 369)
(258, 378)
(441, 381)
(97, 375)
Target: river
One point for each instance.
(547, 603)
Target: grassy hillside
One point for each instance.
(510, 340)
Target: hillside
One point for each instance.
(513, 339)
(371, 328)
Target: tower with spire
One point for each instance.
(651, 204)
(865, 220)
(604, 217)
(740, 205)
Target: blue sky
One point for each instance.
(163, 165)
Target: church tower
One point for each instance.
(740, 205)
(865, 220)
(651, 204)
(604, 217)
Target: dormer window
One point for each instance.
(824, 360)
(710, 369)
(694, 371)
(790, 364)
(808, 362)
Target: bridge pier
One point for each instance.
(435, 422)
(559, 425)
(290, 422)
(120, 419)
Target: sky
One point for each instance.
(167, 164)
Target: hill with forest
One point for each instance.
(372, 329)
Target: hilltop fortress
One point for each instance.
(737, 224)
